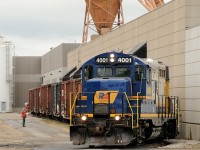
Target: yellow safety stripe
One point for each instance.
(140, 97)
(83, 97)
(141, 115)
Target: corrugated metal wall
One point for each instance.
(27, 75)
(57, 57)
(54, 63)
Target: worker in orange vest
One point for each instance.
(23, 114)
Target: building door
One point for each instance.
(3, 106)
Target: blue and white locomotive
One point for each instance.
(124, 100)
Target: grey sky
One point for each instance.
(36, 25)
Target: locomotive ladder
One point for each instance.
(78, 97)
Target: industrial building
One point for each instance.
(34, 71)
(170, 33)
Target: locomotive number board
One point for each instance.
(119, 60)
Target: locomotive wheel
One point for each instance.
(76, 139)
(140, 139)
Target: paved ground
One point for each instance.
(38, 134)
(45, 134)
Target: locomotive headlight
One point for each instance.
(84, 118)
(112, 55)
(117, 118)
(112, 59)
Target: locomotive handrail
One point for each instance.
(72, 106)
(170, 107)
(127, 99)
(130, 108)
(137, 109)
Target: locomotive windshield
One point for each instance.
(108, 72)
(122, 72)
(104, 72)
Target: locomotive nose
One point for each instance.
(109, 95)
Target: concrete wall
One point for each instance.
(54, 63)
(27, 75)
(164, 30)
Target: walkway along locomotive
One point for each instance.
(124, 100)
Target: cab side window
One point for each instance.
(88, 72)
(139, 73)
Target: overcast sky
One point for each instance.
(34, 26)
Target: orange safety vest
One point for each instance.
(23, 113)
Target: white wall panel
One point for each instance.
(193, 104)
(191, 131)
(192, 80)
(192, 33)
(192, 69)
(192, 92)
(192, 117)
(193, 44)
(193, 56)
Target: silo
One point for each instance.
(102, 16)
(6, 75)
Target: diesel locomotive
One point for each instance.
(124, 99)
